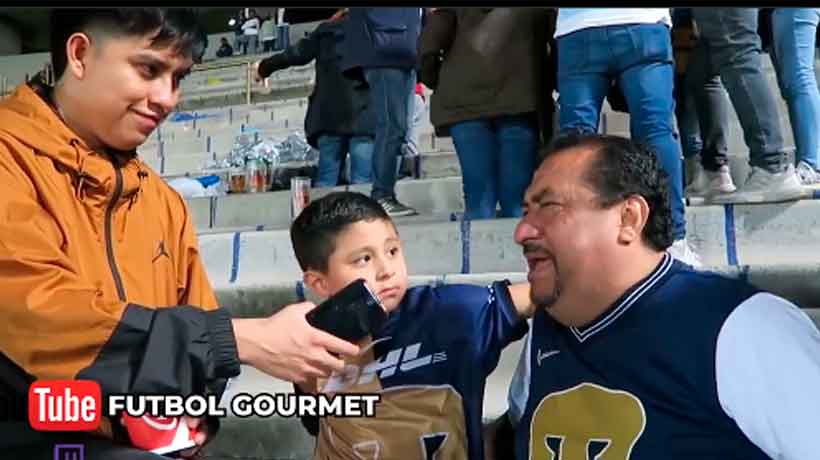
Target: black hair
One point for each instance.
(314, 232)
(175, 27)
(622, 168)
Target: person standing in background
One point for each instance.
(236, 25)
(634, 47)
(250, 30)
(338, 119)
(267, 33)
(702, 110)
(490, 110)
(733, 51)
(794, 37)
(380, 51)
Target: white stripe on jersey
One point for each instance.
(662, 269)
(519, 391)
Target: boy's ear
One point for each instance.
(317, 283)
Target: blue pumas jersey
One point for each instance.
(685, 365)
(429, 362)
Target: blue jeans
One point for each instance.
(794, 32)
(732, 48)
(497, 158)
(332, 151)
(639, 56)
(391, 90)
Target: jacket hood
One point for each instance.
(26, 117)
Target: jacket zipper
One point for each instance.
(109, 243)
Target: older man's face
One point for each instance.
(565, 234)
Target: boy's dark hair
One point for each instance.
(314, 232)
(175, 27)
(622, 168)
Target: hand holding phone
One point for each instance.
(351, 314)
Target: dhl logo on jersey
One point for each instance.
(363, 371)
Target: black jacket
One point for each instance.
(337, 105)
(381, 37)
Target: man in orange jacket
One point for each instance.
(100, 274)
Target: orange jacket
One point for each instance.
(100, 275)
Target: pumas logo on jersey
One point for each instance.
(403, 359)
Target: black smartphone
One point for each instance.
(351, 314)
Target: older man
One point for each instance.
(633, 354)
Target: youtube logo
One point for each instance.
(64, 405)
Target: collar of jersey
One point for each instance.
(626, 301)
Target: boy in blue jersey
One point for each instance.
(430, 359)
(634, 355)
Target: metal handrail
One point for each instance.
(222, 65)
(247, 64)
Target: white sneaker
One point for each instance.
(761, 186)
(708, 183)
(808, 176)
(681, 250)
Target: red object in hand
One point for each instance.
(420, 90)
(160, 435)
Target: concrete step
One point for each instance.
(799, 283)
(205, 120)
(439, 192)
(235, 79)
(234, 97)
(215, 125)
(288, 116)
(722, 235)
(429, 196)
(190, 157)
(294, 110)
(438, 164)
(233, 75)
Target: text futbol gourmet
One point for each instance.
(77, 405)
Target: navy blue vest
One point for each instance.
(639, 382)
